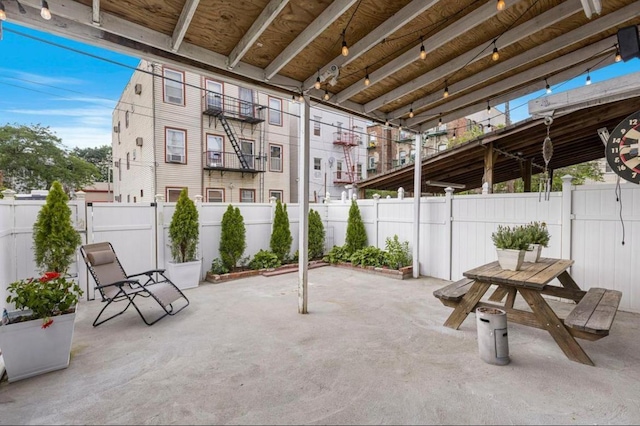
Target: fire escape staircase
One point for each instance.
(234, 141)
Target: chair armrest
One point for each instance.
(118, 283)
(148, 273)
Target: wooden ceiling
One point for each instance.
(286, 44)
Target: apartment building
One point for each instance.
(229, 142)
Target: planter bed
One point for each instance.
(399, 274)
(284, 269)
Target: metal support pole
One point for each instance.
(303, 202)
(417, 191)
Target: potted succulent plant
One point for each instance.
(37, 337)
(538, 236)
(511, 244)
(185, 269)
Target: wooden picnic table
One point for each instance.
(591, 318)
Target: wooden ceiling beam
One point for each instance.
(326, 18)
(439, 39)
(510, 37)
(188, 10)
(267, 16)
(95, 12)
(391, 25)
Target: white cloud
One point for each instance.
(65, 112)
(41, 79)
(83, 137)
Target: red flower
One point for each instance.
(47, 322)
(48, 276)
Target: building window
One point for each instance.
(126, 119)
(173, 87)
(442, 146)
(246, 102)
(175, 145)
(247, 195)
(215, 195)
(128, 198)
(215, 95)
(339, 170)
(403, 157)
(246, 146)
(133, 156)
(275, 158)
(173, 194)
(316, 125)
(275, 193)
(119, 165)
(128, 163)
(372, 162)
(141, 193)
(357, 135)
(215, 157)
(317, 163)
(359, 171)
(275, 111)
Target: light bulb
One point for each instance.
(326, 95)
(446, 92)
(423, 53)
(411, 113)
(495, 56)
(588, 82)
(301, 98)
(45, 12)
(618, 55)
(3, 15)
(440, 121)
(547, 87)
(366, 80)
(317, 83)
(501, 5)
(386, 123)
(345, 49)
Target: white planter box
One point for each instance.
(185, 275)
(29, 350)
(533, 255)
(510, 260)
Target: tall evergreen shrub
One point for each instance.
(184, 230)
(356, 233)
(281, 238)
(54, 239)
(316, 235)
(233, 238)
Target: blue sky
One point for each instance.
(74, 94)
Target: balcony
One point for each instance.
(346, 138)
(229, 162)
(437, 131)
(371, 145)
(342, 177)
(233, 108)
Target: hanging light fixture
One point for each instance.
(317, 83)
(411, 112)
(501, 5)
(326, 95)
(547, 86)
(446, 90)
(20, 8)
(440, 121)
(454, 133)
(588, 82)
(366, 78)
(386, 122)
(3, 15)
(495, 55)
(488, 107)
(423, 51)
(345, 49)
(44, 11)
(301, 96)
(618, 56)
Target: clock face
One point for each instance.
(622, 149)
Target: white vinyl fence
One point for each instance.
(585, 222)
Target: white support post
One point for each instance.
(448, 224)
(567, 216)
(198, 201)
(376, 204)
(160, 248)
(417, 192)
(303, 197)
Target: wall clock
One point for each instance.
(622, 149)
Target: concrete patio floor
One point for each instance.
(372, 350)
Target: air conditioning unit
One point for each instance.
(139, 141)
(138, 89)
(175, 158)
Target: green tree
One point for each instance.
(281, 238)
(316, 235)
(54, 238)
(580, 174)
(474, 132)
(184, 230)
(99, 157)
(233, 237)
(33, 158)
(356, 233)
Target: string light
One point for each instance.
(446, 90)
(588, 82)
(440, 121)
(495, 56)
(366, 79)
(618, 55)
(454, 133)
(3, 15)
(20, 8)
(411, 112)
(501, 5)
(386, 122)
(488, 107)
(345, 49)
(45, 12)
(423, 51)
(317, 83)
(547, 86)
(326, 95)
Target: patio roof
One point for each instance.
(287, 44)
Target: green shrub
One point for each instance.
(537, 233)
(184, 230)
(337, 254)
(264, 259)
(356, 233)
(281, 238)
(233, 237)
(217, 267)
(316, 235)
(510, 238)
(369, 256)
(54, 238)
(398, 254)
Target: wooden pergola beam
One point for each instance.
(188, 10)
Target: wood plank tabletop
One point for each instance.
(531, 275)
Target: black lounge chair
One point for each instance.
(115, 285)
